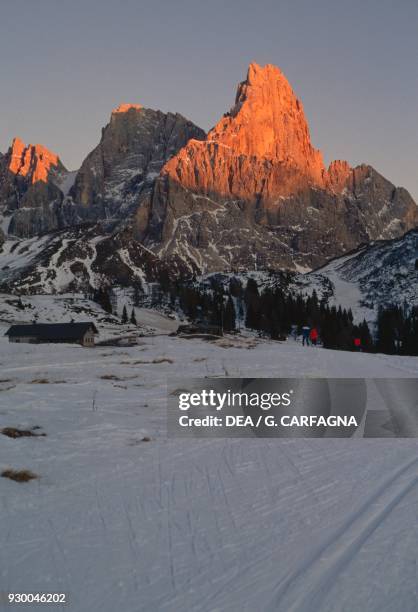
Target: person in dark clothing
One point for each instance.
(305, 335)
(294, 332)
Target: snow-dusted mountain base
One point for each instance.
(74, 260)
(384, 271)
(381, 274)
(81, 259)
(120, 523)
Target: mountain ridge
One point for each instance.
(253, 193)
(256, 188)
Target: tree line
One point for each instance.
(273, 311)
(397, 330)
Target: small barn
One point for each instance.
(38, 333)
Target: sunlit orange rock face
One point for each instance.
(262, 146)
(33, 162)
(30, 194)
(256, 192)
(123, 108)
(338, 175)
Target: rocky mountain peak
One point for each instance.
(134, 146)
(38, 195)
(256, 192)
(30, 195)
(338, 174)
(253, 193)
(262, 145)
(124, 108)
(268, 120)
(33, 162)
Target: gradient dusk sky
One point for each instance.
(354, 64)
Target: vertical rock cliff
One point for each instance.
(30, 197)
(256, 191)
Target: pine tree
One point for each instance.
(217, 306)
(102, 297)
(229, 315)
(240, 313)
(133, 317)
(386, 331)
(365, 337)
(235, 287)
(138, 293)
(124, 315)
(252, 302)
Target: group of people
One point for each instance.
(310, 335)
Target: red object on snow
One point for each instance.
(314, 334)
(357, 342)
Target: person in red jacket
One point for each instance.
(357, 344)
(314, 336)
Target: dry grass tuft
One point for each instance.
(39, 381)
(14, 432)
(144, 362)
(19, 475)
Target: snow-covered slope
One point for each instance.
(381, 273)
(66, 307)
(120, 523)
(79, 260)
(51, 309)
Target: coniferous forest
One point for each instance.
(275, 312)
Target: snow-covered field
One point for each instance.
(120, 523)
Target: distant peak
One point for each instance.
(17, 143)
(32, 161)
(268, 120)
(268, 128)
(266, 84)
(257, 71)
(124, 108)
(338, 173)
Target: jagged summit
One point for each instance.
(338, 174)
(253, 193)
(124, 108)
(30, 196)
(133, 148)
(268, 120)
(33, 162)
(262, 145)
(256, 191)
(37, 194)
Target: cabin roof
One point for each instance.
(51, 331)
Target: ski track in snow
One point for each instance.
(200, 525)
(303, 590)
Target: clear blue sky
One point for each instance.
(354, 64)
